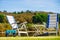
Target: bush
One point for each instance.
(40, 18)
(3, 28)
(1, 18)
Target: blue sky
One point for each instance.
(34, 5)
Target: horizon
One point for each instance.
(32, 5)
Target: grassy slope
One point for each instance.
(31, 38)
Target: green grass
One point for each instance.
(31, 38)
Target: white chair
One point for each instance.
(14, 25)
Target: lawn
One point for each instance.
(31, 38)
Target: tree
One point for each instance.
(44, 17)
(22, 12)
(1, 18)
(4, 11)
(14, 12)
(28, 11)
(39, 18)
(18, 12)
(0, 11)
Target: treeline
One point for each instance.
(29, 16)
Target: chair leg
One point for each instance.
(19, 34)
(14, 34)
(27, 34)
(7, 34)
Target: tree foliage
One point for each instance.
(1, 18)
(40, 18)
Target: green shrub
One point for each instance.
(1, 18)
(40, 18)
(3, 28)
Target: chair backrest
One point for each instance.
(52, 21)
(12, 21)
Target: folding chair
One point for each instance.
(39, 30)
(52, 24)
(14, 25)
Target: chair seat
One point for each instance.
(22, 32)
(52, 32)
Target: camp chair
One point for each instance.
(39, 30)
(14, 25)
(52, 24)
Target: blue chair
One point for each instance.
(10, 32)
